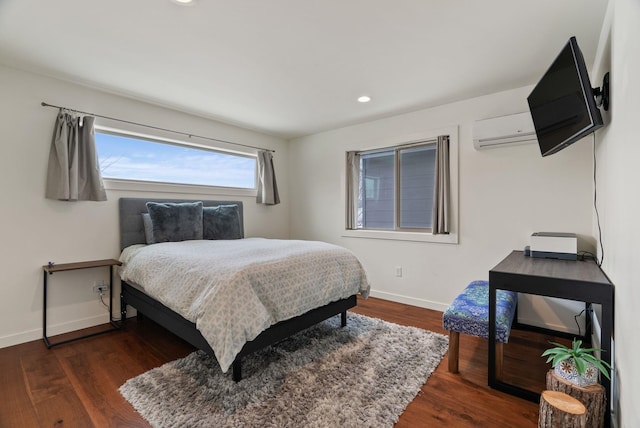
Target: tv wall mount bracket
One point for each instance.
(602, 93)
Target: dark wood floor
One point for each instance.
(76, 385)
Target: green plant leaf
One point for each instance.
(559, 345)
(603, 366)
(554, 351)
(580, 356)
(557, 359)
(581, 365)
(576, 344)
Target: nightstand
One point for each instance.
(51, 268)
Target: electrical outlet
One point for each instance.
(100, 287)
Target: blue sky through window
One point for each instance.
(131, 158)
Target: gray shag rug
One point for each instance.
(362, 375)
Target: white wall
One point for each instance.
(504, 195)
(36, 230)
(618, 151)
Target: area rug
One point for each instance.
(362, 375)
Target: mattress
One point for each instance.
(235, 289)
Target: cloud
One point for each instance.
(148, 161)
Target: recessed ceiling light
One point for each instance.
(364, 99)
(183, 2)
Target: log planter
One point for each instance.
(560, 410)
(593, 397)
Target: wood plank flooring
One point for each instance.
(76, 385)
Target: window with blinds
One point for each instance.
(395, 187)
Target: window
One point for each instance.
(129, 157)
(395, 187)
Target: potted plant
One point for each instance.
(576, 364)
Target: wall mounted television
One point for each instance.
(563, 103)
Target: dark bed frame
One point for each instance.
(132, 232)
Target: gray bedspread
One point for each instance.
(235, 289)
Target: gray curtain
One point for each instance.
(74, 173)
(353, 189)
(267, 187)
(441, 208)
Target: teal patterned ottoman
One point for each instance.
(469, 314)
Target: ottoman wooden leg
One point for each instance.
(454, 346)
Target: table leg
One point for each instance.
(492, 334)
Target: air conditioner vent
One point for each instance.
(504, 131)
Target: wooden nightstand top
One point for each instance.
(80, 265)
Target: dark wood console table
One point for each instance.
(581, 281)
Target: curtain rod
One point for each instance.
(44, 104)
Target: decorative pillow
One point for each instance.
(173, 222)
(221, 222)
(148, 228)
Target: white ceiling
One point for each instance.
(295, 67)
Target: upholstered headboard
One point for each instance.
(132, 228)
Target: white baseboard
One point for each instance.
(421, 303)
(539, 323)
(52, 330)
(438, 306)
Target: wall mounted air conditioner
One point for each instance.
(504, 131)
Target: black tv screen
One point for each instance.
(562, 104)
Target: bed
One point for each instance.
(190, 325)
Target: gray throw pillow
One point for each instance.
(221, 222)
(148, 228)
(172, 222)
